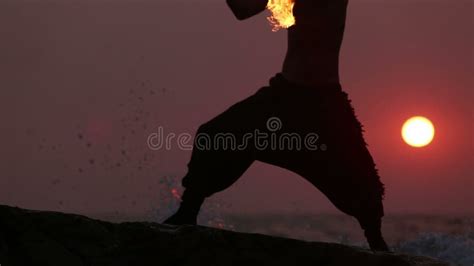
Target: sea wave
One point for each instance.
(455, 249)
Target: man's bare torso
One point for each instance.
(314, 42)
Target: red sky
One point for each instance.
(67, 65)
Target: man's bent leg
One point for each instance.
(209, 171)
(344, 171)
(199, 185)
(373, 233)
(220, 156)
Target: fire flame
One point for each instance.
(282, 14)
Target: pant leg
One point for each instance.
(344, 170)
(351, 160)
(217, 162)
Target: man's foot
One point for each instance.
(376, 241)
(187, 212)
(180, 219)
(373, 233)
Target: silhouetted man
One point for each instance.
(305, 99)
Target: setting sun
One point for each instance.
(418, 131)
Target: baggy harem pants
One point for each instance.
(311, 131)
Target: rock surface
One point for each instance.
(51, 238)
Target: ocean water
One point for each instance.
(456, 249)
(449, 238)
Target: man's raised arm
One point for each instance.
(244, 9)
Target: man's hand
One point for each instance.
(244, 9)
